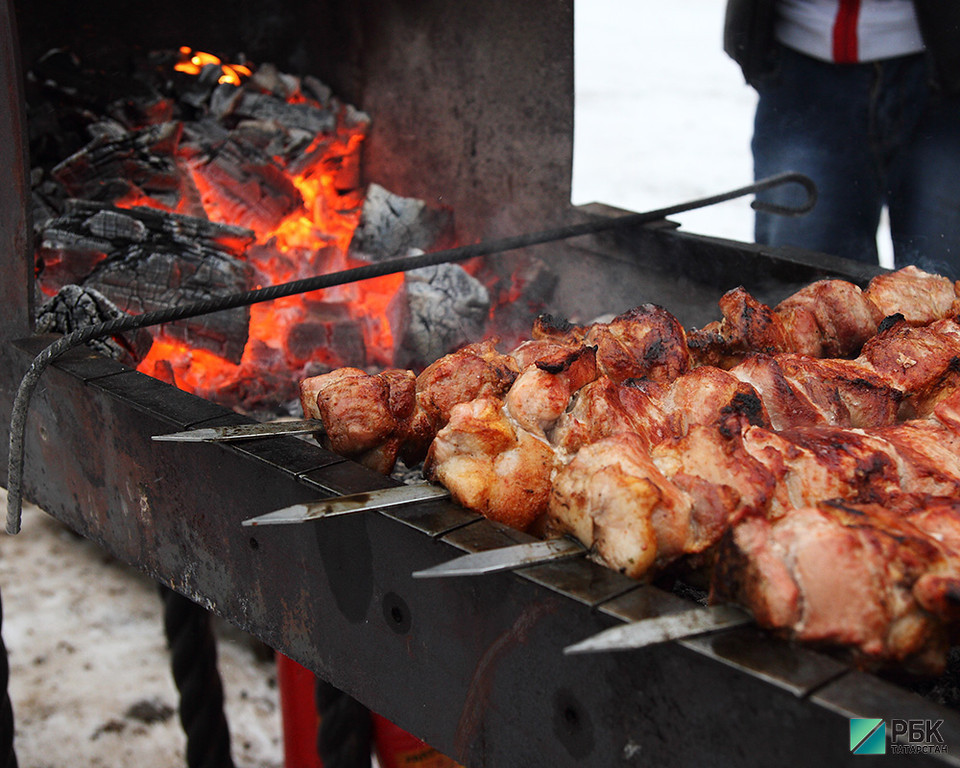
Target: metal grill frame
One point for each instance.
(474, 666)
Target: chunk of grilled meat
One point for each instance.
(828, 318)
(712, 397)
(376, 418)
(641, 509)
(644, 342)
(922, 362)
(928, 454)
(810, 464)
(856, 576)
(541, 392)
(748, 326)
(920, 297)
(476, 370)
(846, 392)
(492, 465)
(493, 454)
(656, 412)
(612, 497)
(359, 412)
(804, 391)
(603, 408)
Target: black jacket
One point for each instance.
(748, 38)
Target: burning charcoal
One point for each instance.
(48, 198)
(108, 130)
(522, 289)
(109, 168)
(391, 225)
(244, 185)
(197, 90)
(315, 89)
(445, 309)
(144, 259)
(224, 99)
(84, 225)
(74, 307)
(265, 108)
(143, 279)
(271, 80)
(114, 225)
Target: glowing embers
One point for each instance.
(259, 177)
(193, 62)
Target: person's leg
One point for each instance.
(813, 117)
(924, 170)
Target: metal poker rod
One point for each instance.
(30, 380)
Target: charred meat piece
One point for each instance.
(929, 456)
(858, 577)
(917, 295)
(640, 510)
(493, 453)
(803, 391)
(364, 417)
(603, 408)
(922, 362)
(477, 370)
(811, 464)
(717, 460)
(828, 318)
(376, 418)
(353, 406)
(786, 405)
(849, 393)
(541, 392)
(748, 326)
(644, 342)
(712, 396)
(613, 498)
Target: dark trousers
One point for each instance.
(869, 135)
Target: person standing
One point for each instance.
(863, 96)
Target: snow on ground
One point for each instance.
(90, 673)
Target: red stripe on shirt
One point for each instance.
(845, 45)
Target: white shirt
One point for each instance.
(849, 31)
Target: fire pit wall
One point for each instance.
(473, 101)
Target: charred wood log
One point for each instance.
(137, 164)
(441, 309)
(390, 226)
(75, 307)
(243, 185)
(143, 259)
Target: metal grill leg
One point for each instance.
(194, 659)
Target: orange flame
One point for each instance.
(193, 63)
(313, 239)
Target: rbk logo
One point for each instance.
(868, 736)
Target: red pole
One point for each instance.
(298, 711)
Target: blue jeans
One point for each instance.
(869, 135)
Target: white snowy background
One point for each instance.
(662, 116)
